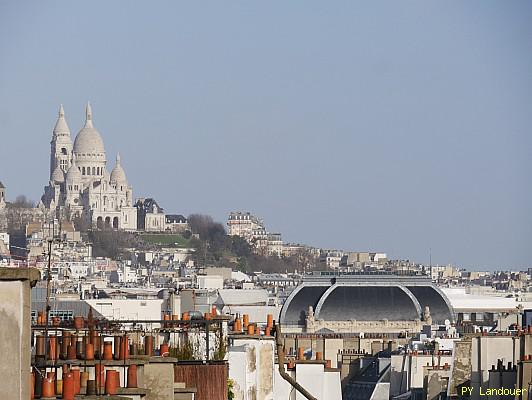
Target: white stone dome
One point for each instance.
(58, 176)
(88, 140)
(118, 175)
(73, 174)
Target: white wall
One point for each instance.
(15, 331)
(210, 282)
(251, 367)
(311, 377)
(332, 348)
(78, 270)
(237, 371)
(12, 345)
(404, 366)
(5, 237)
(128, 309)
(485, 351)
(324, 385)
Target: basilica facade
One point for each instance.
(80, 185)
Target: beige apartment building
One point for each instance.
(251, 228)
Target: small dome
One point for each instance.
(118, 175)
(88, 140)
(61, 126)
(58, 176)
(73, 174)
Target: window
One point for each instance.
(64, 315)
(83, 171)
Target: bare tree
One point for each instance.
(19, 213)
(22, 202)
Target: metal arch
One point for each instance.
(446, 299)
(323, 298)
(413, 298)
(440, 292)
(286, 305)
(358, 284)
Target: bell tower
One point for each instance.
(61, 145)
(2, 193)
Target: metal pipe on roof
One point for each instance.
(282, 371)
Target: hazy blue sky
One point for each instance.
(397, 126)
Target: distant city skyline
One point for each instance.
(395, 127)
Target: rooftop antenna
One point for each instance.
(47, 307)
(50, 241)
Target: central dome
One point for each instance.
(88, 140)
